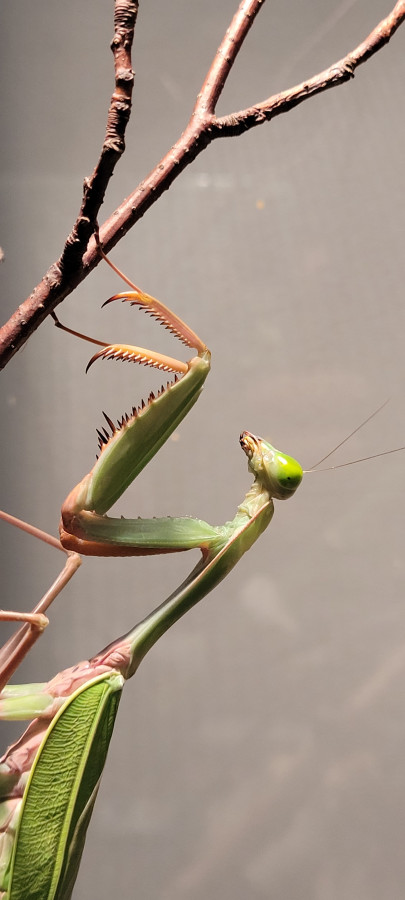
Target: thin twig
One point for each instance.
(65, 274)
(338, 73)
(94, 188)
(225, 58)
(202, 128)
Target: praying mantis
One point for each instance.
(49, 778)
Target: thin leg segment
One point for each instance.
(16, 648)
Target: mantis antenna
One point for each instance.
(353, 461)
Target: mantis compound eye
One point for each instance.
(287, 473)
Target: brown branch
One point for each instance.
(225, 57)
(202, 128)
(65, 274)
(197, 135)
(94, 188)
(338, 73)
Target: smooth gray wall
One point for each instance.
(259, 753)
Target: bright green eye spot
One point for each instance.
(288, 473)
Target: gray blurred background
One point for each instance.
(259, 751)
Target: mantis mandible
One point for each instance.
(49, 778)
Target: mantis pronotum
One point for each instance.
(50, 777)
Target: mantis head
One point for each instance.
(277, 473)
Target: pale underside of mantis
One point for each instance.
(49, 778)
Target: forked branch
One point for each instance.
(204, 126)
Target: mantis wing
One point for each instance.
(61, 791)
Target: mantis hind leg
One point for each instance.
(16, 648)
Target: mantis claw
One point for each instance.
(162, 314)
(129, 353)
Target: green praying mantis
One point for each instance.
(49, 777)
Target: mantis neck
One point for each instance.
(234, 538)
(254, 501)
